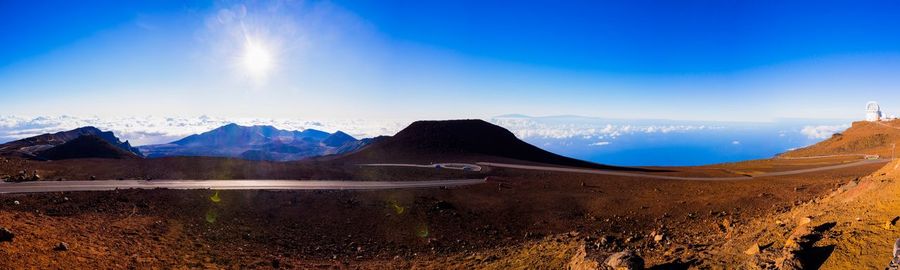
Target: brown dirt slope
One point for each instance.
(861, 138)
(518, 220)
(854, 227)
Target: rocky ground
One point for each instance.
(519, 219)
(852, 227)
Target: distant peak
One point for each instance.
(88, 129)
(338, 138)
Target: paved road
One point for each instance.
(98, 185)
(641, 175)
(866, 156)
(452, 166)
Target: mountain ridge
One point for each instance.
(258, 142)
(29, 147)
(86, 146)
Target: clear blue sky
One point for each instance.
(698, 60)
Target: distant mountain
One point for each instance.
(257, 143)
(29, 147)
(457, 140)
(338, 139)
(86, 146)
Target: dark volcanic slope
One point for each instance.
(257, 143)
(338, 139)
(86, 146)
(458, 140)
(28, 147)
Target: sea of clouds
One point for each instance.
(557, 128)
(822, 131)
(157, 129)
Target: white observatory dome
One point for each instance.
(873, 111)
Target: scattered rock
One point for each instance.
(6, 235)
(658, 238)
(790, 262)
(753, 250)
(16, 202)
(625, 260)
(726, 223)
(804, 221)
(799, 237)
(62, 246)
(23, 176)
(890, 223)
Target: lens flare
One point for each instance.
(399, 209)
(215, 197)
(422, 231)
(212, 215)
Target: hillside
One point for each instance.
(458, 140)
(868, 138)
(29, 147)
(86, 146)
(853, 227)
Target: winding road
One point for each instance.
(668, 177)
(100, 185)
(640, 175)
(452, 166)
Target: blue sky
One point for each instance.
(691, 60)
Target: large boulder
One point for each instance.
(625, 260)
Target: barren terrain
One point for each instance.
(518, 219)
(501, 224)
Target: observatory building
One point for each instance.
(873, 111)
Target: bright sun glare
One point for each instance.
(257, 59)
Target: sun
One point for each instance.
(257, 59)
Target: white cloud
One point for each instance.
(536, 128)
(599, 143)
(823, 131)
(735, 142)
(154, 130)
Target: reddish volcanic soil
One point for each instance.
(872, 138)
(518, 219)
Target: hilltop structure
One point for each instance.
(873, 112)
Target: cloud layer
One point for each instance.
(822, 131)
(526, 128)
